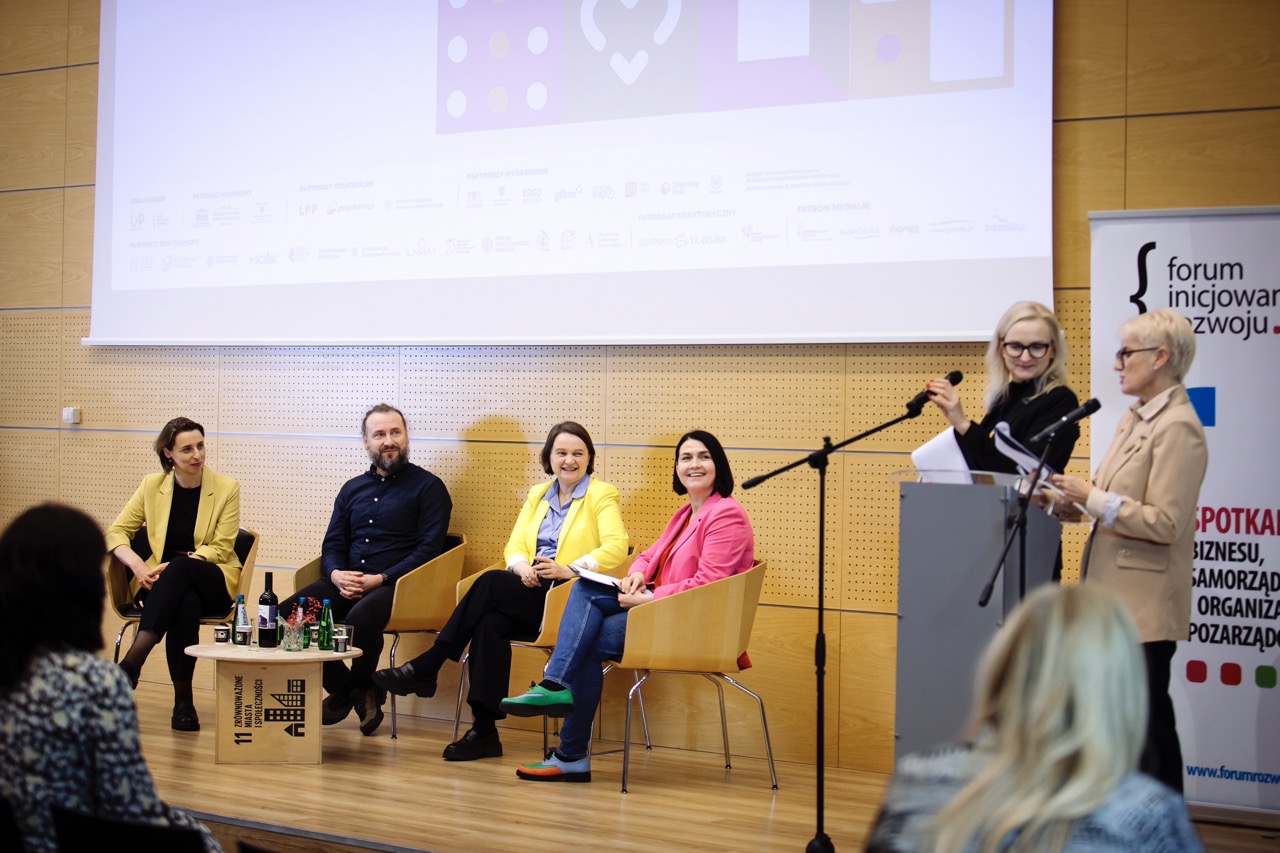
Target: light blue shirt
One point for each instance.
(549, 531)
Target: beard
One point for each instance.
(390, 464)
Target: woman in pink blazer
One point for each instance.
(708, 538)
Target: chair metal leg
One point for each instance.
(644, 719)
(724, 725)
(120, 636)
(395, 641)
(626, 734)
(464, 678)
(764, 727)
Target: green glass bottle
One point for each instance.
(325, 637)
(300, 609)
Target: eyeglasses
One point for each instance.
(1122, 356)
(1014, 349)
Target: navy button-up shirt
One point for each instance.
(387, 525)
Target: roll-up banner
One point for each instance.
(1220, 268)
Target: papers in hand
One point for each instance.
(596, 577)
(1027, 462)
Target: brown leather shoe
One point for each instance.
(471, 746)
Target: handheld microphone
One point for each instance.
(1079, 414)
(916, 403)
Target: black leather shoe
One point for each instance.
(129, 673)
(368, 704)
(335, 708)
(184, 719)
(401, 681)
(471, 746)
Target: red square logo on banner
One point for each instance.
(1197, 672)
(1231, 673)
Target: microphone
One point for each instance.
(917, 402)
(1079, 414)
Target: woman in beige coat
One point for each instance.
(1143, 497)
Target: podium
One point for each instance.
(949, 537)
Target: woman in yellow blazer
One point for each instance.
(1144, 496)
(192, 516)
(573, 520)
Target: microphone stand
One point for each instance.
(1018, 529)
(821, 842)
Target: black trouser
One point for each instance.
(1162, 752)
(497, 608)
(367, 615)
(186, 590)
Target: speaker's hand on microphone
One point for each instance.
(944, 395)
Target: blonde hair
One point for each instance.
(1169, 329)
(998, 371)
(1060, 713)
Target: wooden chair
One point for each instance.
(701, 631)
(544, 641)
(119, 575)
(79, 831)
(423, 600)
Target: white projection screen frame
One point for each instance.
(314, 172)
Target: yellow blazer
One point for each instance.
(592, 532)
(1156, 463)
(217, 522)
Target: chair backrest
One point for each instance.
(246, 549)
(79, 831)
(704, 629)
(425, 597)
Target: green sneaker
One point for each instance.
(538, 701)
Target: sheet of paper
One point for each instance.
(587, 574)
(939, 460)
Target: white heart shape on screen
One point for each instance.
(629, 71)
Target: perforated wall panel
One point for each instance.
(871, 532)
(28, 470)
(137, 387)
(503, 393)
(313, 390)
(101, 470)
(29, 353)
(748, 396)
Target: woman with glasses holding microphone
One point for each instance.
(1028, 389)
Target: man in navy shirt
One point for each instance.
(385, 523)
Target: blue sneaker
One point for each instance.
(538, 701)
(556, 769)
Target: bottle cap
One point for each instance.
(325, 600)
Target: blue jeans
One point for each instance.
(592, 631)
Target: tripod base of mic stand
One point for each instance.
(820, 843)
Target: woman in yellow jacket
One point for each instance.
(573, 520)
(192, 515)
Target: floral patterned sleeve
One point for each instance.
(122, 783)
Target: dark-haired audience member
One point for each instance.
(1050, 764)
(571, 522)
(69, 730)
(192, 515)
(709, 538)
(385, 523)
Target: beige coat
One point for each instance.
(1156, 463)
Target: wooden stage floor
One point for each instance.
(397, 795)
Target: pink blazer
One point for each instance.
(716, 543)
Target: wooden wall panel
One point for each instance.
(33, 129)
(33, 34)
(1088, 174)
(1071, 307)
(31, 248)
(881, 378)
(29, 462)
(868, 651)
(77, 247)
(82, 125)
(747, 396)
(29, 361)
(870, 577)
(82, 32)
(1204, 160)
(1193, 56)
(502, 393)
(304, 390)
(137, 388)
(1088, 58)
